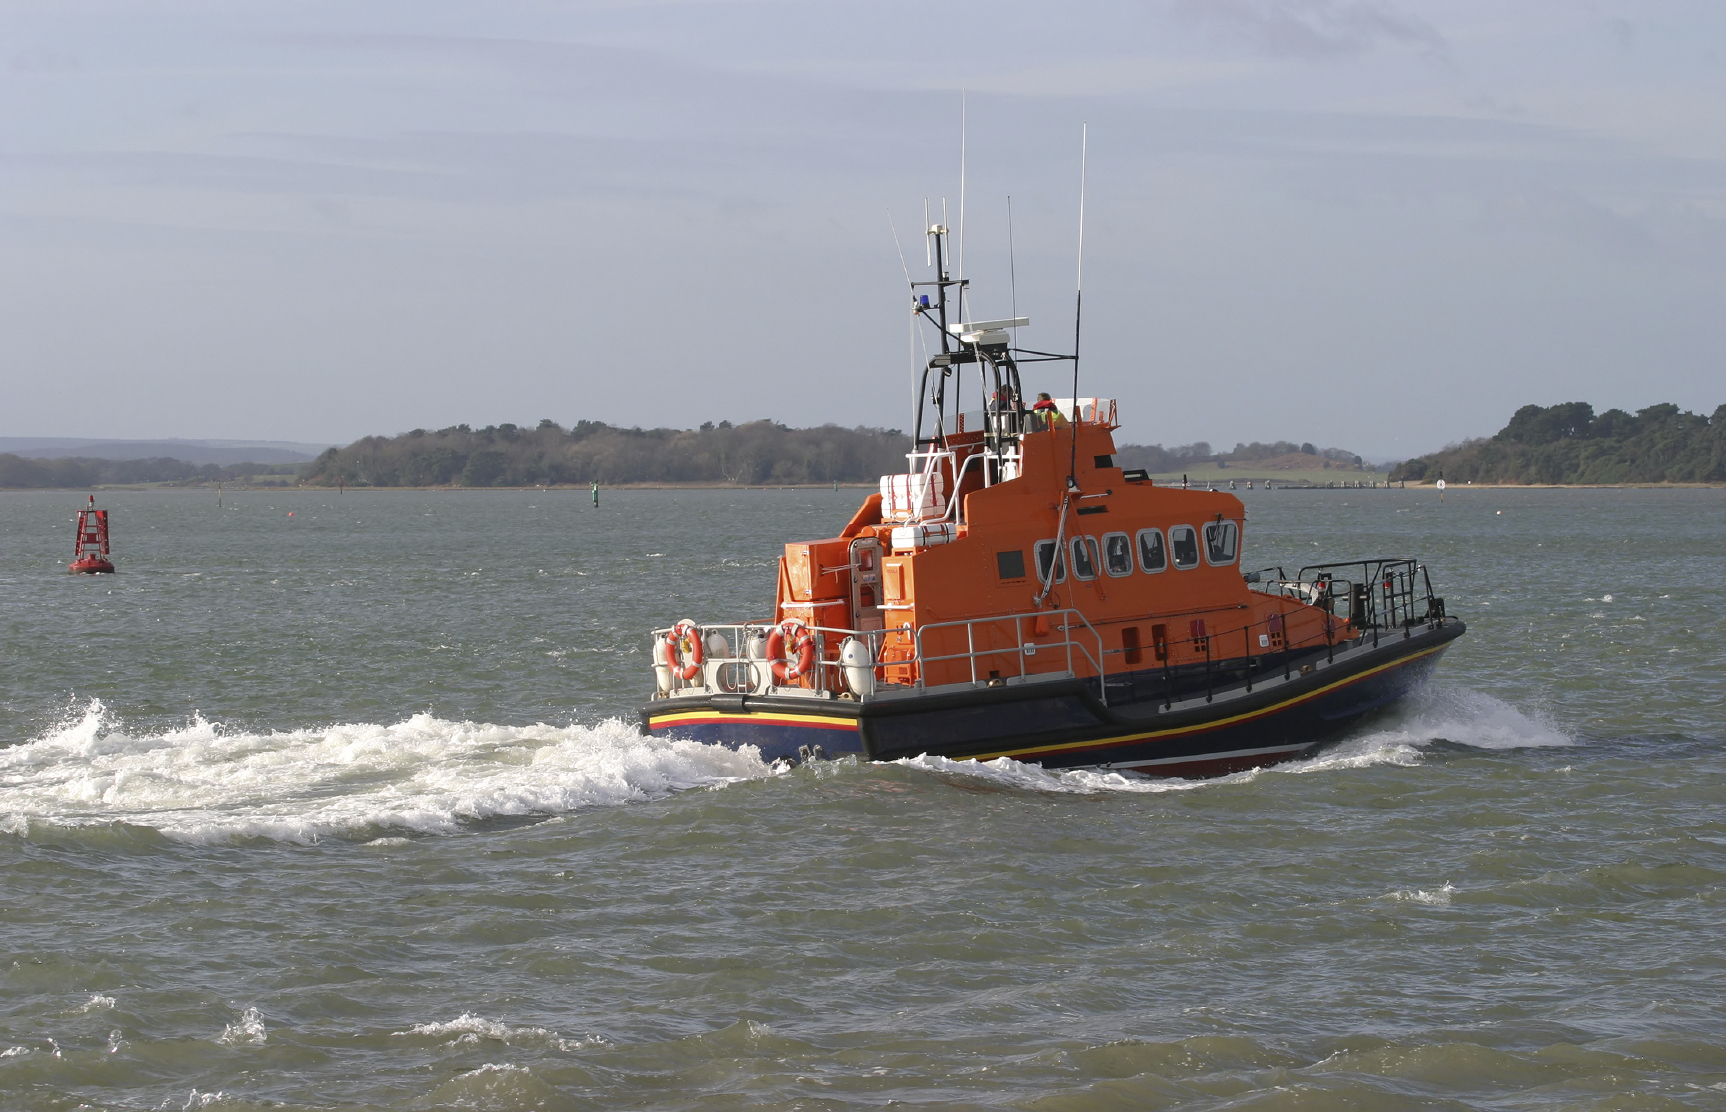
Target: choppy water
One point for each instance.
(346, 810)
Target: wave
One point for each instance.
(204, 784)
(1008, 773)
(469, 1029)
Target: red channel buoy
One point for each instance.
(90, 556)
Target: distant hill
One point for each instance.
(1274, 458)
(77, 473)
(219, 452)
(1569, 443)
(754, 454)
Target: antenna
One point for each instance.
(900, 248)
(1078, 308)
(1012, 271)
(928, 259)
(962, 106)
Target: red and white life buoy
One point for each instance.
(683, 652)
(795, 634)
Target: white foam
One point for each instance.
(1433, 714)
(202, 783)
(1015, 774)
(95, 1002)
(469, 1028)
(1464, 717)
(1438, 897)
(248, 1030)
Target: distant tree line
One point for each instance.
(1286, 453)
(758, 453)
(17, 472)
(1569, 443)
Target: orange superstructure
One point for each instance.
(1154, 570)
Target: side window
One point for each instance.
(1046, 554)
(1085, 557)
(1152, 556)
(1011, 565)
(1184, 543)
(1117, 554)
(1220, 547)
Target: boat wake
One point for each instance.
(1436, 714)
(206, 784)
(1008, 773)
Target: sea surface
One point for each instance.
(337, 802)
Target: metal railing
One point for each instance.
(738, 669)
(1358, 601)
(1375, 595)
(1020, 648)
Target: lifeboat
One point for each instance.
(90, 550)
(1014, 593)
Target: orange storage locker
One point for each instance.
(819, 569)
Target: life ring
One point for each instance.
(684, 643)
(802, 643)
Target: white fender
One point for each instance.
(718, 654)
(859, 665)
(661, 669)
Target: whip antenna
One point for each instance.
(1078, 310)
(962, 106)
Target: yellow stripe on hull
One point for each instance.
(1203, 727)
(708, 717)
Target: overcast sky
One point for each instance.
(1376, 224)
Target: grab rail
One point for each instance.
(736, 670)
(1021, 648)
(1376, 596)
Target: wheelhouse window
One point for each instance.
(1085, 557)
(1184, 544)
(1221, 542)
(1117, 554)
(1153, 557)
(1048, 554)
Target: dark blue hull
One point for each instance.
(1063, 723)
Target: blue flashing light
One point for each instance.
(924, 301)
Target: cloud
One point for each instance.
(1313, 28)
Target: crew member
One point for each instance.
(1047, 412)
